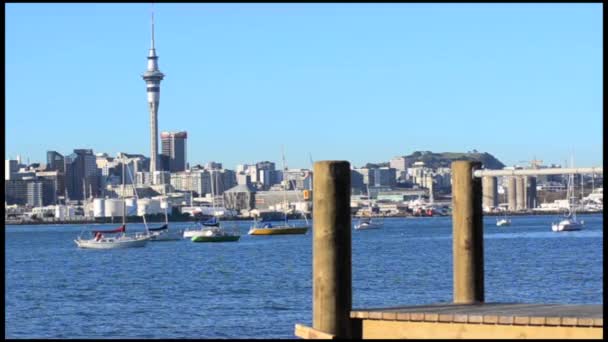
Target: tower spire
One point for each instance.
(152, 26)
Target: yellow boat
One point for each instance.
(278, 230)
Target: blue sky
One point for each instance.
(356, 82)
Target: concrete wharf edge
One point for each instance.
(491, 313)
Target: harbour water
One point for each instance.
(260, 286)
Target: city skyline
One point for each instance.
(359, 82)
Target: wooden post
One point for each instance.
(467, 233)
(332, 278)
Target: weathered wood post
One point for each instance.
(332, 278)
(467, 233)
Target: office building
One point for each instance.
(174, 151)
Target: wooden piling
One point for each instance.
(332, 287)
(467, 240)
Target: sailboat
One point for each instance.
(163, 233)
(261, 227)
(212, 230)
(368, 222)
(99, 241)
(569, 222)
(505, 220)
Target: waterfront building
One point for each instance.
(153, 77)
(275, 200)
(174, 151)
(240, 198)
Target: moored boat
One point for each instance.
(99, 241)
(503, 222)
(215, 234)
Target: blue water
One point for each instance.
(260, 286)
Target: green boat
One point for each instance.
(213, 231)
(215, 234)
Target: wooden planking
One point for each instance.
(309, 333)
(491, 313)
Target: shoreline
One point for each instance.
(138, 219)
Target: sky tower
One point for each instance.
(153, 76)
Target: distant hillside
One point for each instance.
(444, 159)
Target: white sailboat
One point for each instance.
(369, 222)
(569, 222)
(268, 228)
(163, 233)
(504, 221)
(100, 241)
(214, 231)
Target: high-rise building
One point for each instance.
(81, 175)
(54, 161)
(174, 150)
(152, 77)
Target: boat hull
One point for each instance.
(566, 226)
(364, 226)
(188, 234)
(114, 244)
(166, 236)
(278, 231)
(227, 238)
(503, 223)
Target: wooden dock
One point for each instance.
(468, 317)
(484, 320)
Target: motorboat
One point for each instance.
(215, 234)
(368, 223)
(503, 222)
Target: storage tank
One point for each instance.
(60, 212)
(142, 206)
(70, 212)
(131, 205)
(99, 207)
(154, 207)
(114, 207)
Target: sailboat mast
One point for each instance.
(284, 182)
(122, 194)
(212, 191)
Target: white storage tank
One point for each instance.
(131, 206)
(142, 206)
(70, 212)
(99, 207)
(154, 207)
(60, 212)
(114, 207)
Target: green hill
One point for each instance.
(445, 159)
